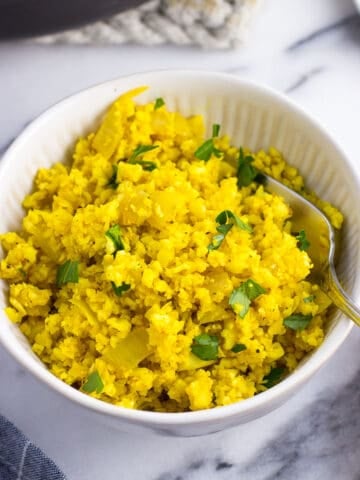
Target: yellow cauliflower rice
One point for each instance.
(156, 273)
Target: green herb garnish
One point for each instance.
(68, 272)
(113, 183)
(246, 172)
(273, 377)
(309, 299)
(139, 151)
(252, 289)
(208, 148)
(205, 346)
(244, 295)
(303, 242)
(226, 220)
(148, 166)
(215, 130)
(298, 321)
(224, 217)
(124, 287)
(159, 102)
(205, 150)
(114, 233)
(239, 297)
(93, 383)
(238, 347)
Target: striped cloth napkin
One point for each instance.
(22, 460)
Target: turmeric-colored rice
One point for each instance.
(147, 321)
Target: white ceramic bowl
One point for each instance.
(253, 116)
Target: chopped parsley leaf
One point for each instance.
(93, 383)
(226, 215)
(159, 102)
(114, 233)
(140, 150)
(146, 165)
(215, 130)
(273, 377)
(224, 229)
(216, 241)
(252, 289)
(303, 242)
(124, 287)
(309, 299)
(226, 220)
(113, 183)
(208, 148)
(205, 346)
(68, 272)
(244, 295)
(246, 172)
(298, 321)
(238, 347)
(239, 297)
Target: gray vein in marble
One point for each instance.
(223, 466)
(20, 372)
(304, 79)
(328, 429)
(345, 22)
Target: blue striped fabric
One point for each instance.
(21, 460)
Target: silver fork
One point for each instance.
(323, 241)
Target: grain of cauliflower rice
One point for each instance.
(155, 272)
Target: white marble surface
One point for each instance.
(311, 50)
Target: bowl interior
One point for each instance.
(251, 115)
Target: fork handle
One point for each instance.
(339, 297)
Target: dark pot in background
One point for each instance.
(27, 18)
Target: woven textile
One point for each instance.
(20, 459)
(207, 23)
